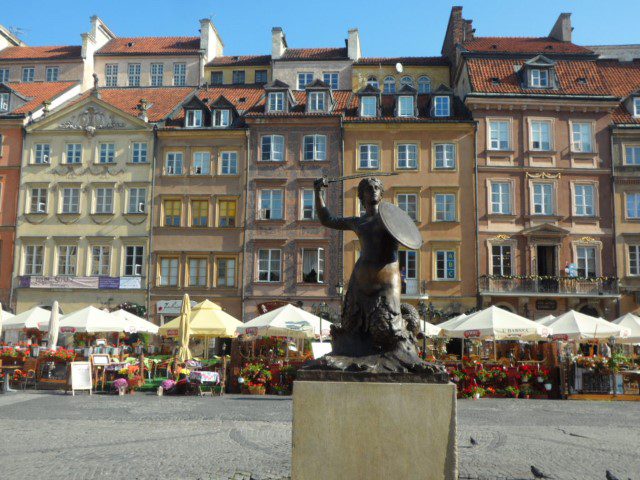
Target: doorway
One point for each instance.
(546, 259)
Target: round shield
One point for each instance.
(400, 225)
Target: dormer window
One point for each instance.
(221, 118)
(368, 106)
(636, 106)
(316, 101)
(442, 106)
(373, 81)
(4, 102)
(539, 78)
(406, 106)
(194, 119)
(276, 101)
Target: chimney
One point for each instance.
(143, 105)
(562, 29)
(353, 45)
(278, 43)
(454, 34)
(210, 41)
(468, 32)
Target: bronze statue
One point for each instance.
(377, 333)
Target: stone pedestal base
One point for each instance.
(370, 431)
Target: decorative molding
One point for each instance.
(543, 175)
(501, 236)
(92, 119)
(588, 240)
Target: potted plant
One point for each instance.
(512, 392)
(255, 378)
(526, 391)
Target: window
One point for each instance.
(389, 85)
(157, 74)
(634, 260)
(316, 101)
(169, 272)
(201, 163)
(369, 156)
(632, 155)
(271, 205)
(304, 79)
(4, 102)
(442, 106)
(261, 76)
(315, 147)
(226, 272)
(583, 198)
(194, 118)
(409, 203)
(52, 73)
(237, 77)
(405, 106)
(139, 152)
(272, 148)
(501, 198)
(445, 265)
(38, 200)
(199, 213)
(33, 256)
(28, 74)
(137, 200)
(216, 78)
(229, 163)
(74, 153)
(227, 213)
(581, 137)
(407, 155)
(424, 85)
(501, 260)
(104, 200)
(543, 199)
(313, 265)
(540, 135)
(70, 200)
(107, 152)
(100, 260)
(172, 213)
(308, 201)
(4, 75)
(133, 261)
(42, 153)
(179, 74)
(173, 165)
(67, 259)
(373, 82)
(539, 78)
(368, 106)
(111, 75)
(498, 135)
(586, 262)
(134, 74)
(445, 207)
(445, 155)
(331, 79)
(406, 81)
(633, 206)
(276, 102)
(198, 272)
(636, 106)
(269, 265)
(221, 117)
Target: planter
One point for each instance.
(540, 379)
(476, 396)
(256, 389)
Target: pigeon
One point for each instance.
(473, 441)
(537, 473)
(611, 476)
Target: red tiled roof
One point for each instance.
(544, 45)
(151, 45)
(623, 79)
(315, 54)
(483, 71)
(460, 112)
(341, 98)
(407, 61)
(241, 60)
(38, 92)
(242, 98)
(64, 52)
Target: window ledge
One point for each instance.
(68, 214)
(136, 214)
(311, 162)
(309, 221)
(37, 214)
(102, 214)
(271, 162)
(200, 175)
(583, 154)
(265, 282)
(505, 216)
(273, 221)
(542, 152)
(543, 217)
(310, 284)
(585, 218)
(105, 163)
(137, 163)
(505, 152)
(446, 221)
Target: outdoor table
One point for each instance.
(5, 385)
(211, 379)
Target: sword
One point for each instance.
(359, 175)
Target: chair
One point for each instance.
(30, 378)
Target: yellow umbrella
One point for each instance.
(206, 319)
(184, 353)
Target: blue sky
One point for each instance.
(387, 28)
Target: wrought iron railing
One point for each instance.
(532, 285)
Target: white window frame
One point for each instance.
(307, 204)
(274, 151)
(314, 148)
(499, 135)
(410, 260)
(407, 156)
(373, 81)
(443, 256)
(73, 153)
(444, 156)
(539, 77)
(269, 265)
(502, 259)
(445, 210)
(540, 198)
(368, 156)
(137, 200)
(582, 207)
(169, 271)
(221, 117)
(193, 118)
(389, 85)
(38, 200)
(317, 101)
(501, 201)
(52, 74)
(70, 200)
(33, 260)
(306, 77)
(409, 203)
(131, 260)
(201, 163)
(174, 163)
(582, 259)
(107, 153)
(199, 280)
(4, 75)
(634, 260)
(632, 199)
(134, 72)
(275, 102)
(104, 200)
(581, 140)
(157, 74)
(267, 204)
(100, 260)
(227, 270)
(140, 152)
(366, 106)
(42, 153)
(238, 77)
(406, 80)
(404, 109)
(111, 75)
(179, 74)
(67, 260)
(442, 106)
(537, 130)
(332, 79)
(4, 101)
(632, 154)
(424, 85)
(320, 264)
(229, 163)
(28, 74)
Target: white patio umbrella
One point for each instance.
(545, 320)
(35, 317)
(54, 326)
(286, 321)
(631, 322)
(91, 320)
(431, 330)
(579, 326)
(452, 322)
(134, 323)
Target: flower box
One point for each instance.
(255, 389)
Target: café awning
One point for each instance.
(579, 326)
(206, 319)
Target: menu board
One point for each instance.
(80, 376)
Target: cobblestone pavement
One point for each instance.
(53, 436)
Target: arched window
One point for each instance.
(389, 85)
(373, 81)
(406, 81)
(424, 85)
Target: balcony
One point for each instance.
(548, 286)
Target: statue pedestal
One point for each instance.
(373, 430)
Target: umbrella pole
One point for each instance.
(495, 353)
